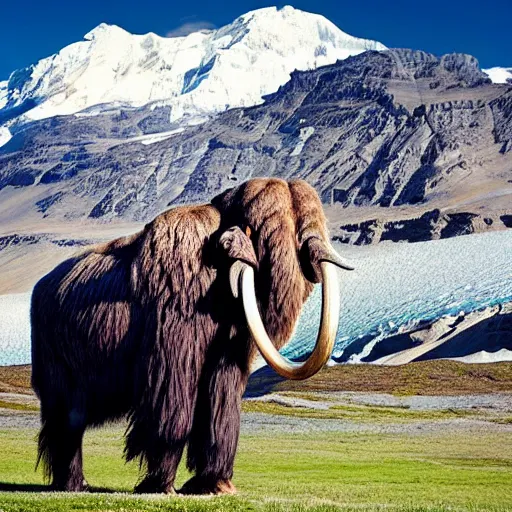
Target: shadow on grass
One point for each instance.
(10, 487)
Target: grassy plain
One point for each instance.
(416, 467)
(456, 471)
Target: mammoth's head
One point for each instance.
(275, 234)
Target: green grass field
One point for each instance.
(418, 470)
(325, 471)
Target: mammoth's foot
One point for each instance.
(207, 485)
(72, 485)
(152, 485)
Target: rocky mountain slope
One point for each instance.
(420, 227)
(383, 136)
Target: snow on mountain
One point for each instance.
(5, 136)
(486, 357)
(499, 75)
(3, 93)
(203, 72)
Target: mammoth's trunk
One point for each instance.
(242, 279)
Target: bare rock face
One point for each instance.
(381, 129)
(431, 225)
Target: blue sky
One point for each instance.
(33, 29)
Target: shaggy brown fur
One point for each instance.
(146, 326)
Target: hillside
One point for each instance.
(382, 136)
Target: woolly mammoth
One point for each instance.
(161, 327)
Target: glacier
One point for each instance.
(15, 329)
(202, 73)
(394, 288)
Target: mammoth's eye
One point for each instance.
(248, 231)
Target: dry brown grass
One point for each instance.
(422, 378)
(15, 379)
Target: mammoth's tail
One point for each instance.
(45, 443)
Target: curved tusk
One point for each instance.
(328, 324)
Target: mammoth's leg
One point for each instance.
(159, 440)
(214, 438)
(162, 465)
(161, 421)
(60, 447)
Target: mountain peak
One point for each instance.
(203, 73)
(104, 30)
(298, 23)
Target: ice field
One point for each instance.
(394, 286)
(14, 329)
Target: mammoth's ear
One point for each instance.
(238, 246)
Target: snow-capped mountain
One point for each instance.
(499, 75)
(203, 72)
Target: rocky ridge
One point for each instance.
(381, 130)
(431, 225)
